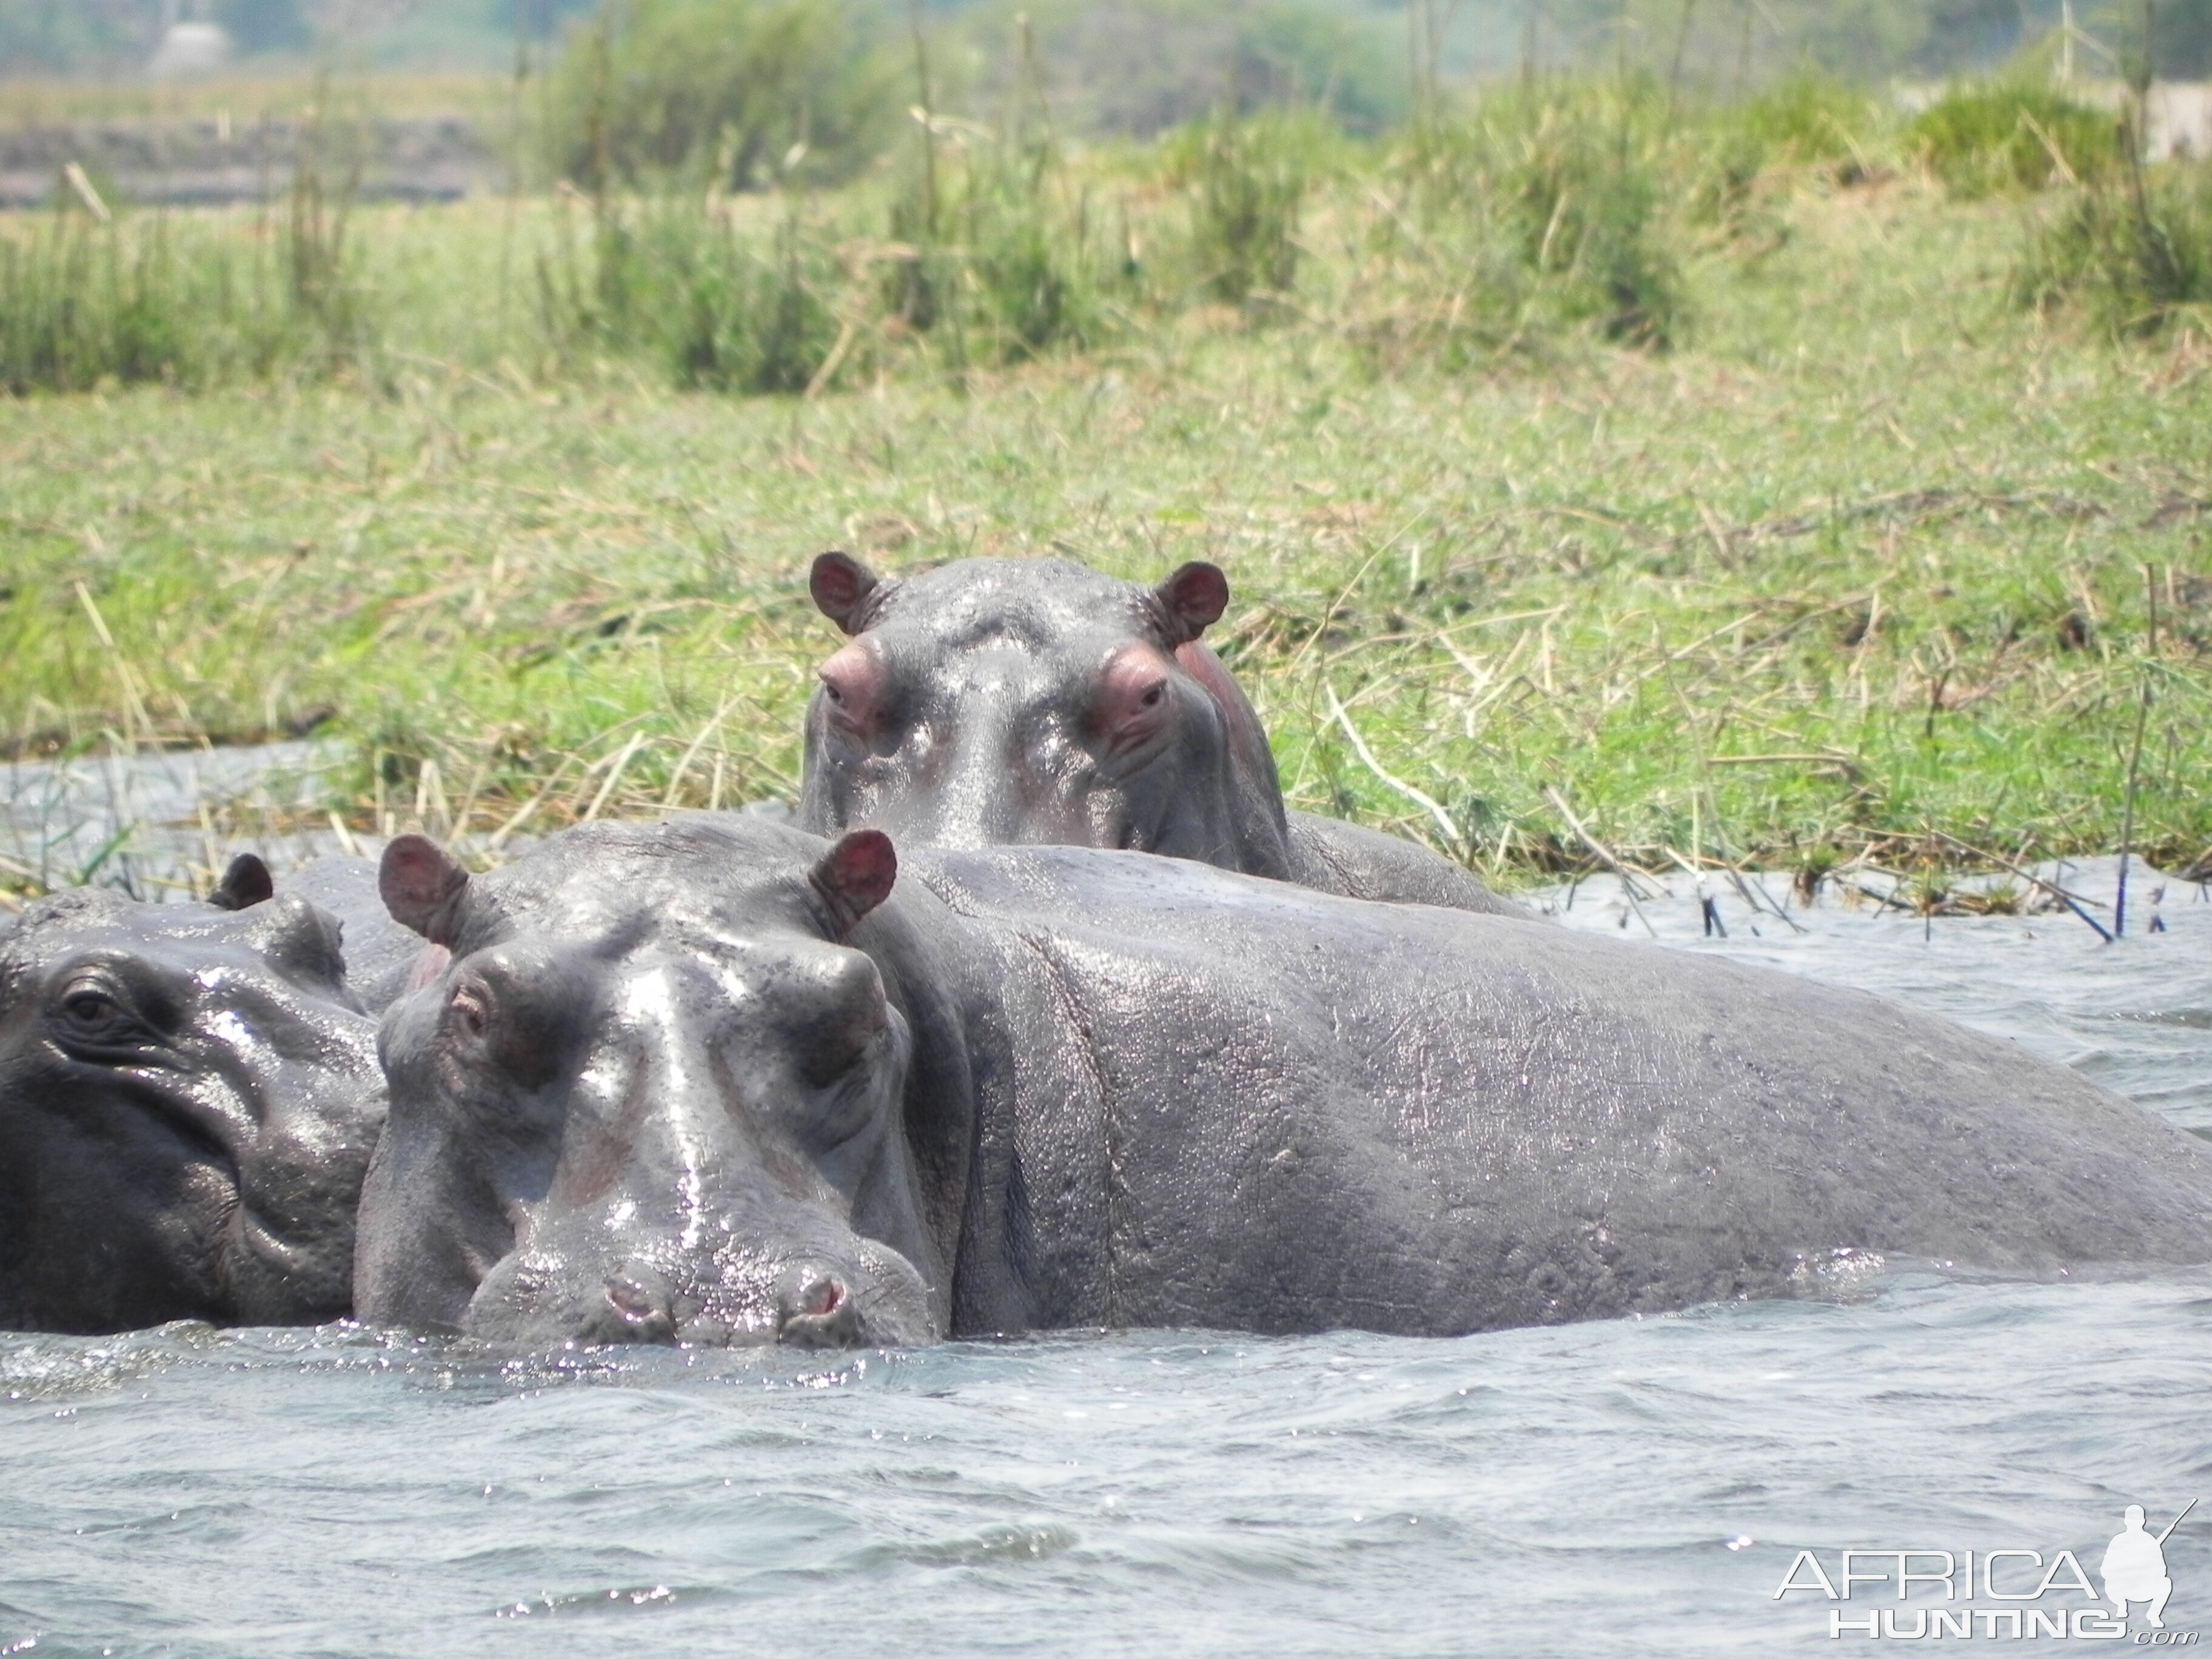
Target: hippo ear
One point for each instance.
(855, 876)
(245, 882)
(422, 886)
(1196, 595)
(841, 584)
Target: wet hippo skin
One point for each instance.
(718, 1080)
(1034, 701)
(381, 956)
(188, 1098)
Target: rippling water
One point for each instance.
(1636, 1487)
(142, 821)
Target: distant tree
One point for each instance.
(1968, 34)
(1857, 39)
(71, 35)
(657, 87)
(264, 25)
(2182, 50)
(1294, 51)
(1140, 66)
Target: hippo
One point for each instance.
(1034, 701)
(716, 1080)
(189, 1096)
(381, 956)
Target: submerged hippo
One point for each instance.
(716, 1080)
(381, 956)
(188, 1098)
(1023, 701)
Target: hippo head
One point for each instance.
(188, 1098)
(997, 700)
(647, 1093)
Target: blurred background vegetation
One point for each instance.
(1137, 65)
(778, 196)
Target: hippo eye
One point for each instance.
(1152, 698)
(834, 694)
(92, 1014)
(93, 1011)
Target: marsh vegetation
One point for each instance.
(1787, 478)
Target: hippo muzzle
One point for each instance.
(865, 1295)
(680, 1213)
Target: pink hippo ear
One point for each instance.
(422, 885)
(245, 884)
(855, 876)
(841, 584)
(1196, 595)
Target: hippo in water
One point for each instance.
(718, 1080)
(1024, 700)
(188, 1097)
(381, 956)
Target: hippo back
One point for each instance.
(1352, 861)
(1250, 1106)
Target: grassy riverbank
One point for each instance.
(1873, 557)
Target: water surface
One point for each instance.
(1634, 1487)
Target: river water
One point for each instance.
(1638, 1487)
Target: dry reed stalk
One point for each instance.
(133, 704)
(2067, 899)
(614, 776)
(1604, 856)
(208, 847)
(522, 814)
(1454, 841)
(676, 778)
(2128, 816)
(459, 823)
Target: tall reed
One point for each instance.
(90, 292)
(1544, 211)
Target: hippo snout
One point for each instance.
(874, 1299)
(815, 1308)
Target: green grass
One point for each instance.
(1869, 554)
(2133, 255)
(2012, 135)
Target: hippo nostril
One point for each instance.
(642, 1307)
(819, 1314)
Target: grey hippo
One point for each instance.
(721, 1081)
(189, 1096)
(1036, 700)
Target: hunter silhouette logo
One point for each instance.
(2027, 1591)
(2135, 1565)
